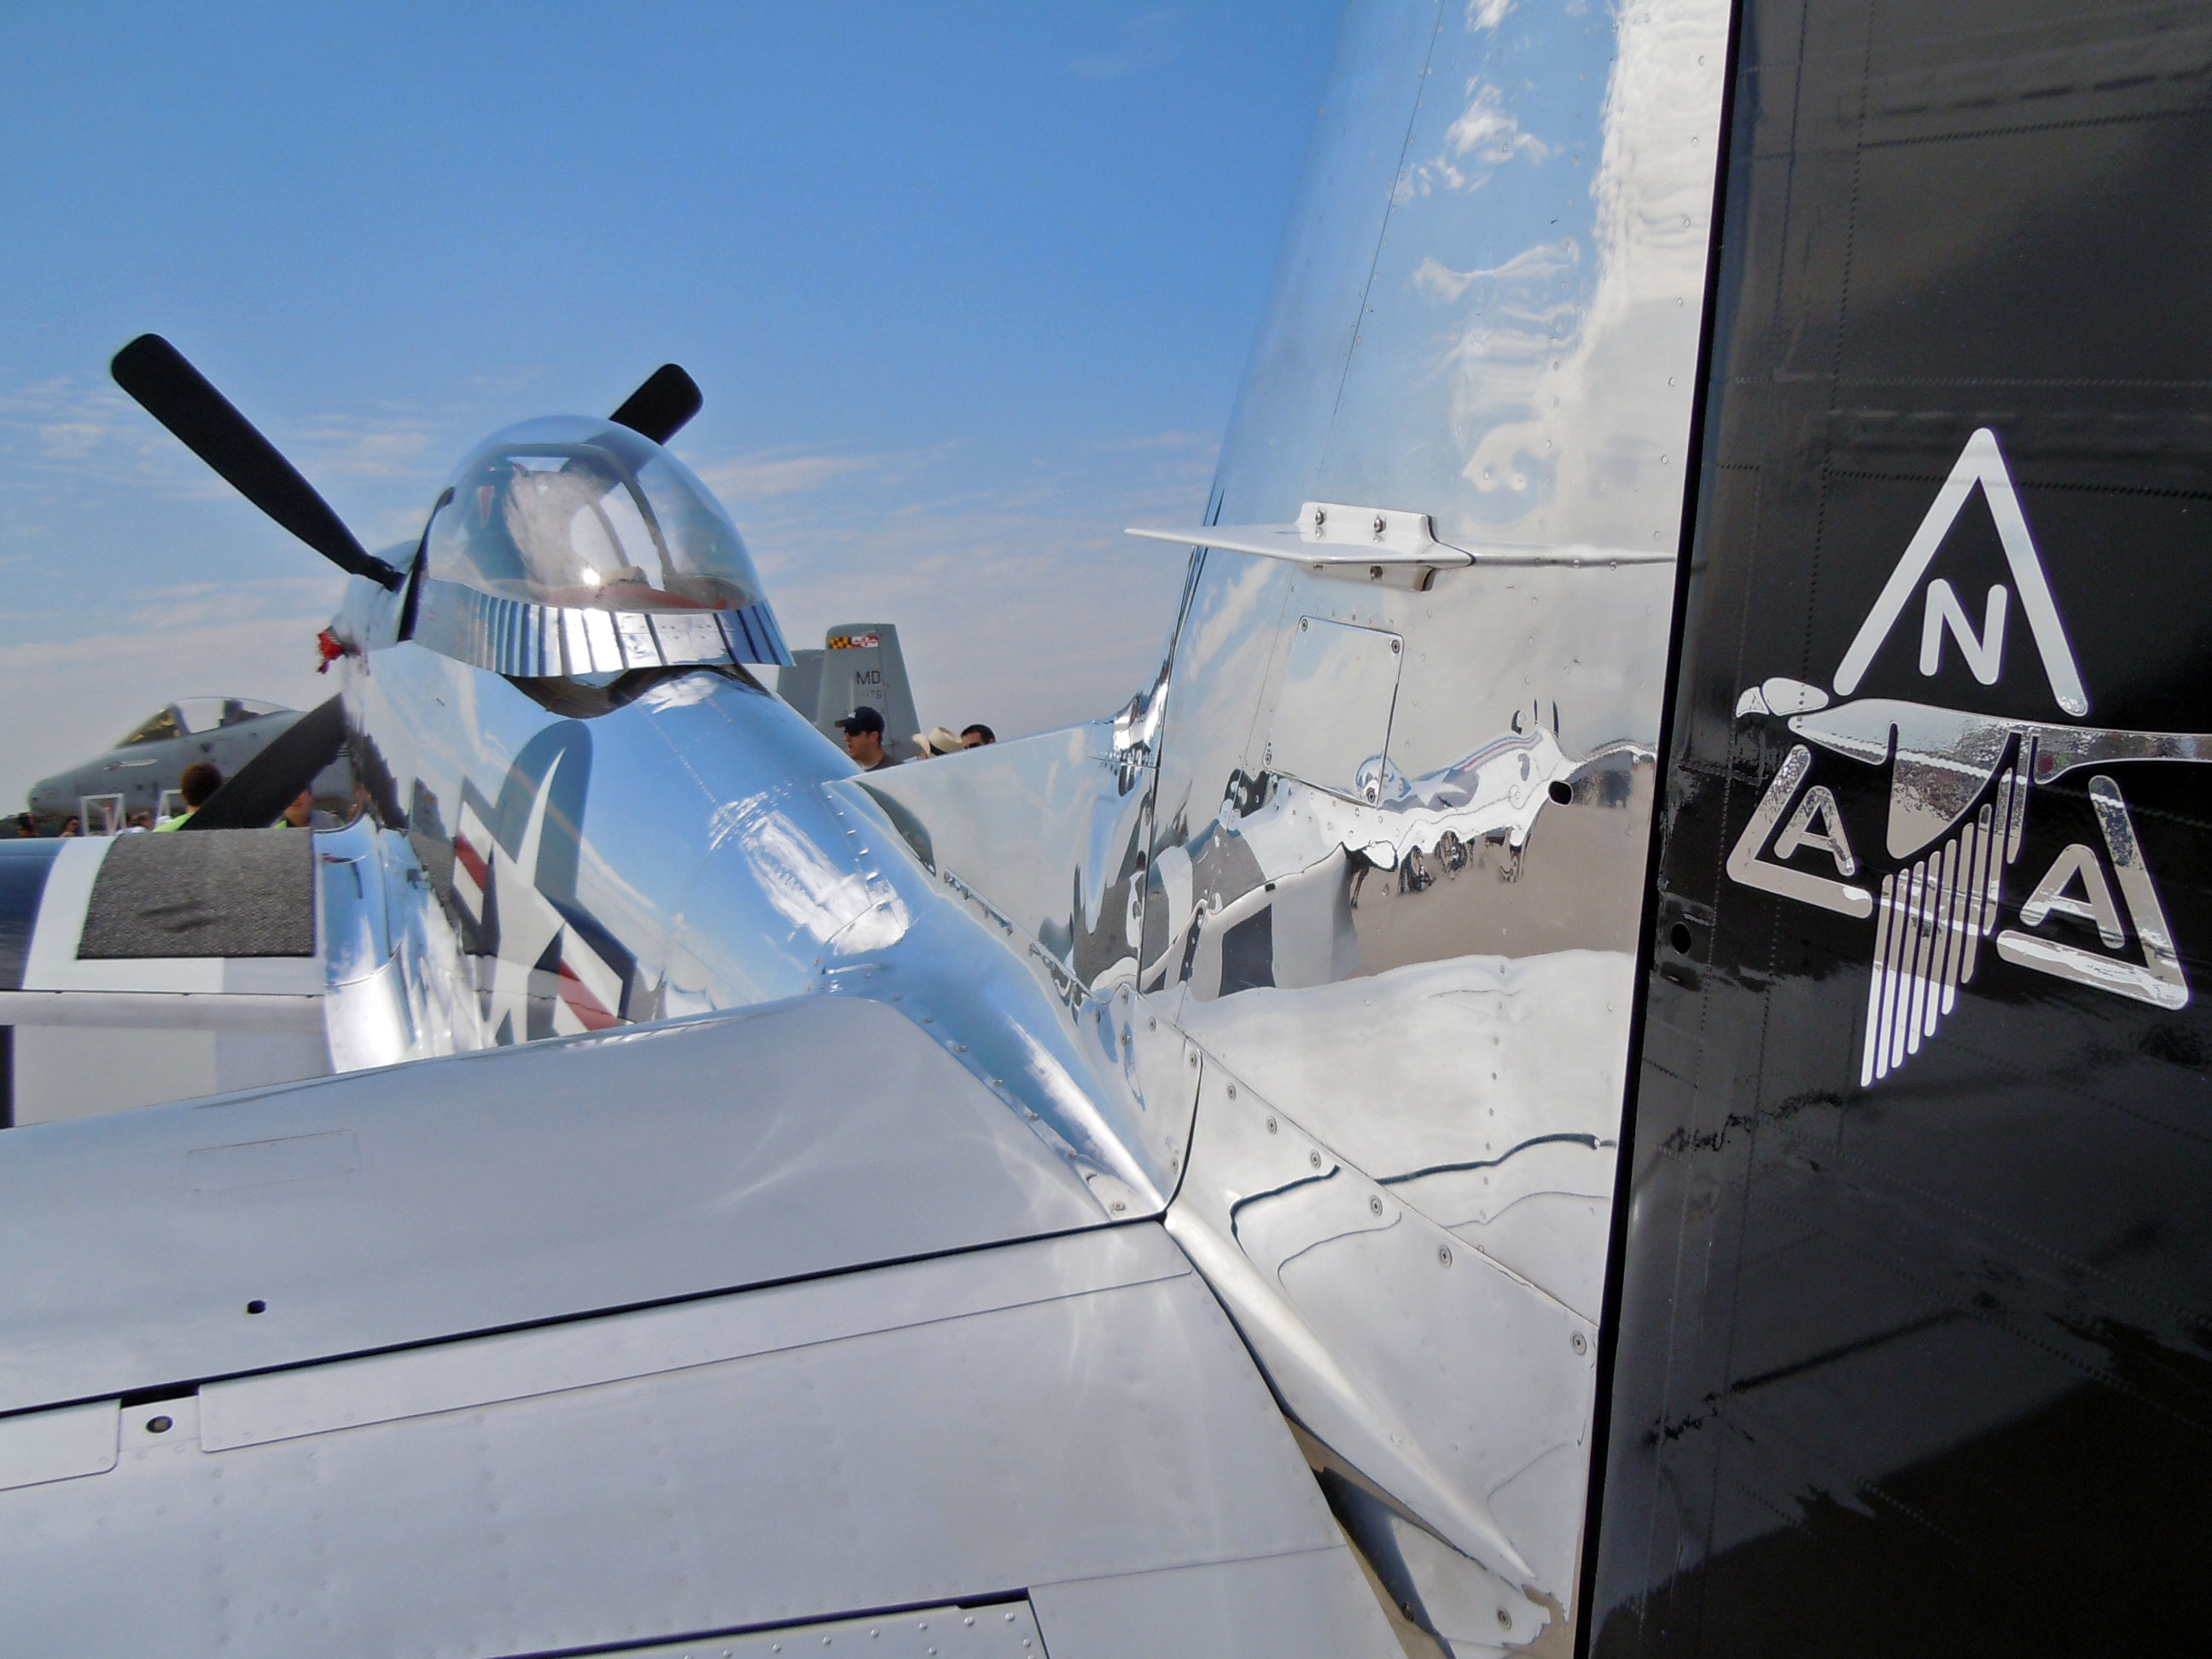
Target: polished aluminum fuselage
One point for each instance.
(699, 847)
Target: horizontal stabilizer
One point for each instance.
(1335, 539)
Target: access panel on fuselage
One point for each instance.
(1913, 1350)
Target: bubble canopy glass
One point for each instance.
(579, 512)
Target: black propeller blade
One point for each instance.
(156, 374)
(252, 798)
(659, 407)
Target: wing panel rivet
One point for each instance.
(1375, 1204)
(1581, 1342)
(1271, 1125)
(1443, 1256)
(1232, 1091)
(1314, 1158)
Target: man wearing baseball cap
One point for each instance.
(864, 739)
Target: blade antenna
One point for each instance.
(166, 386)
(660, 407)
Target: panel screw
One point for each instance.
(1119, 1206)
(1382, 524)
(1319, 518)
(1153, 1024)
(1375, 1204)
(1504, 1618)
(160, 1424)
(1193, 1062)
(1232, 1091)
(1271, 1125)
(1395, 647)
(1581, 1342)
(1443, 1256)
(1314, 1158)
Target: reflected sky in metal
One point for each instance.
(1489, 307)
(1419, 971)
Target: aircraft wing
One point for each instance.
(139, 967)
(779, 1322)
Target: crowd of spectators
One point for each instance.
(196, 787)
(864, 740)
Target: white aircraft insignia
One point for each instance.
(1959, 784)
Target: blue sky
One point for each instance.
(967, 288)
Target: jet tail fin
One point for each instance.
(860, 664)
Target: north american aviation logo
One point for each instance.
(1960, 787)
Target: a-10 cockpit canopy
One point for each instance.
(193, 716)
(571, 545)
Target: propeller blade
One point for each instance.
(155, 374)
(660, 407)
(253, 796)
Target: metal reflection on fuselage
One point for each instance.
(1323, 946)
(1375, 849)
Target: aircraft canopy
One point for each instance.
(581, 512)
(194, 715)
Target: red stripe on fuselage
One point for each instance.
(582, 1004)
(472, 861)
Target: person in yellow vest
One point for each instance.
(201, 779)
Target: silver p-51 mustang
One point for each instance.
(1144, 1189)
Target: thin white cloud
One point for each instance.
(1489, 132)
(60, 426)
(1487, 14)
(771, 472)
(1486, 136)
(362, 447)
(1145, 42)
(1545, 260)
(1203, 445)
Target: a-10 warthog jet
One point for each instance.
(141, 772)
(1609, 1058)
